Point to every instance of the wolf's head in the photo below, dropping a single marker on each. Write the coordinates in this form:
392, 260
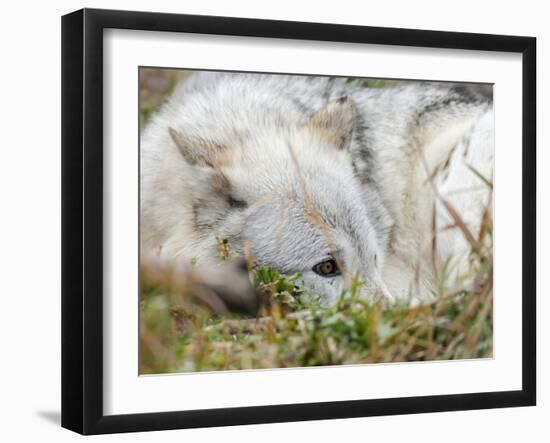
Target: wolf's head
286, 193
289, 195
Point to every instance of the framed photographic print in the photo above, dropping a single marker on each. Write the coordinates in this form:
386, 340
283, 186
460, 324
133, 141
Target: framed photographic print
269, 221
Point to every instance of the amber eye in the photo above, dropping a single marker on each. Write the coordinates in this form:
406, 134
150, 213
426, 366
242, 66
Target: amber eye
327, 268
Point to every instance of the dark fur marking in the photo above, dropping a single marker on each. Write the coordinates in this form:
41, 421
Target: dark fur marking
235, 203
216, 216
363, 150
475, 92
458, 95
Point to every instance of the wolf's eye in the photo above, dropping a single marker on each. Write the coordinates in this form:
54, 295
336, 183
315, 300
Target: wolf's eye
327, 268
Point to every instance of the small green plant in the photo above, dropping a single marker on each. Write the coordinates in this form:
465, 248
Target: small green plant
279, 288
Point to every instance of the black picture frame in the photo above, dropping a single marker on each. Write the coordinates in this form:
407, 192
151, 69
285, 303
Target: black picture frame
82, 220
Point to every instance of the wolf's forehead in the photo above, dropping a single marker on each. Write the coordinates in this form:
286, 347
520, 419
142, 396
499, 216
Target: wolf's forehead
298, 236
306, 216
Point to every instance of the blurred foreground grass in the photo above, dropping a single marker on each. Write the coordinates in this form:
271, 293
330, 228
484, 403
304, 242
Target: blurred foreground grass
293, 331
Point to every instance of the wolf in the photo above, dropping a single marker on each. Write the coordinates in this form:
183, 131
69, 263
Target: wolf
320, 176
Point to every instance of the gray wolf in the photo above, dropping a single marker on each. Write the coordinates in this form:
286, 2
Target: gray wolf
318, 175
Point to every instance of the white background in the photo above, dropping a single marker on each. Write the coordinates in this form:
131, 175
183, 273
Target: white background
30, 234
126, 393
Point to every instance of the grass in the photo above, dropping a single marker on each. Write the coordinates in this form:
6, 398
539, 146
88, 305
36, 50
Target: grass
290, 332
155, 85
292, 329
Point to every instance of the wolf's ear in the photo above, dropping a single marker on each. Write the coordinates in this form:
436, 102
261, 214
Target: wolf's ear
198, 151
214, 193
335, 122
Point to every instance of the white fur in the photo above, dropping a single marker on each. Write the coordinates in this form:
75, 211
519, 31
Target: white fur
278, 144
